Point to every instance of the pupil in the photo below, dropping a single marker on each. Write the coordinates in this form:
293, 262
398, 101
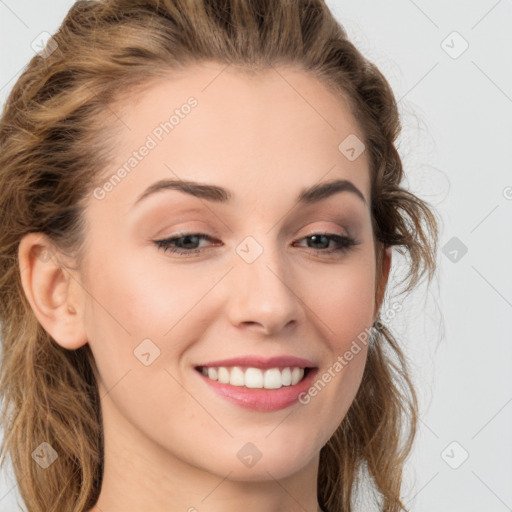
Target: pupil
187, 238
316, 237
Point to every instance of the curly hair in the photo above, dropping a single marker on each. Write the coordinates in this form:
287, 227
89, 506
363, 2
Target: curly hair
56, 135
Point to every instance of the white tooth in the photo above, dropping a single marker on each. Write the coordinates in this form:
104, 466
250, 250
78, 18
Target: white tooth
204, 371
253, 378
237, 376
286, 376
223, 375
272, 379
297, 374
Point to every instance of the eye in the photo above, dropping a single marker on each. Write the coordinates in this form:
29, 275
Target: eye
344, 243
183, 244
188, 243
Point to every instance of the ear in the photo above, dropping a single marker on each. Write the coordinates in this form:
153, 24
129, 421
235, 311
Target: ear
55, 296
382, 277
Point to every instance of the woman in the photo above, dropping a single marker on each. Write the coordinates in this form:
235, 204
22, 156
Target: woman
199, 202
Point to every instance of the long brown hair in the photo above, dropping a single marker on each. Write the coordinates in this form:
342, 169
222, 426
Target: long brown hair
55, 137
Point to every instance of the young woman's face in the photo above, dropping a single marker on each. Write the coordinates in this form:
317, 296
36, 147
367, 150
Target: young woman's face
262, 270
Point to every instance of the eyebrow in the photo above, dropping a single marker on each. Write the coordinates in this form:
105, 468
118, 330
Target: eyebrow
217, 194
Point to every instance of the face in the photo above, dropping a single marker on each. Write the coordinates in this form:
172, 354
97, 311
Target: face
255, 268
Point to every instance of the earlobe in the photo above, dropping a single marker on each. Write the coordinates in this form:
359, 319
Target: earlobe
51, 291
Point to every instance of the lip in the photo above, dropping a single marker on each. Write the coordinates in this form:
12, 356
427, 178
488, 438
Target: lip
263, 362
265, 400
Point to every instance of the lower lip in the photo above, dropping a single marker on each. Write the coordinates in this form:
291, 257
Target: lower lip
262, 399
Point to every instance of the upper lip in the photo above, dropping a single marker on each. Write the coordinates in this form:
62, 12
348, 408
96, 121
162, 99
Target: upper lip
263, 362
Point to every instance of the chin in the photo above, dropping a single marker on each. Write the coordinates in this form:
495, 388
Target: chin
253, 463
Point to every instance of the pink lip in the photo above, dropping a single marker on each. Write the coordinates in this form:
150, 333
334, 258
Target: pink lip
262, 362
262, 399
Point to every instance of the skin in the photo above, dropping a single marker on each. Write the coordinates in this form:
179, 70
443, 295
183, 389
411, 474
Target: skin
171, 443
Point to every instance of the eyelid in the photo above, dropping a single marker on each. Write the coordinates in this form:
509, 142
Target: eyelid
335, 228
324, 231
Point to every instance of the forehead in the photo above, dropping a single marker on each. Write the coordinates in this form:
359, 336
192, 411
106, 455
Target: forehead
275, 130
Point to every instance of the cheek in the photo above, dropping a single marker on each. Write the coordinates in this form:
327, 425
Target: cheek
140, 297
135, 307
344, 305
139, 325
343, 299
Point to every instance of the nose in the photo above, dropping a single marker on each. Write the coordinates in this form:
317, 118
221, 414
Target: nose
264, 295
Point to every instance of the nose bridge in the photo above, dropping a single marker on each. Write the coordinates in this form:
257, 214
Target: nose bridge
264, 292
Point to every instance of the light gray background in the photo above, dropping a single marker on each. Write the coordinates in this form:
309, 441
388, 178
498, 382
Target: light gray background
457, 149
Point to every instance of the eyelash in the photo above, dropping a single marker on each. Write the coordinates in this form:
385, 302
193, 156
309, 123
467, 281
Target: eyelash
345, 243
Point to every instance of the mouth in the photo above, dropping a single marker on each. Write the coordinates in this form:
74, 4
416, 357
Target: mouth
267, 389
255, 378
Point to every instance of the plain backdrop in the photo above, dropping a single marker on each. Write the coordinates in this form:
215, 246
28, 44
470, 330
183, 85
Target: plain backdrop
449, 64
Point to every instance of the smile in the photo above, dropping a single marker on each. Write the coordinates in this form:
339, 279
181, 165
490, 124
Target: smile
259, 389
255, 378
